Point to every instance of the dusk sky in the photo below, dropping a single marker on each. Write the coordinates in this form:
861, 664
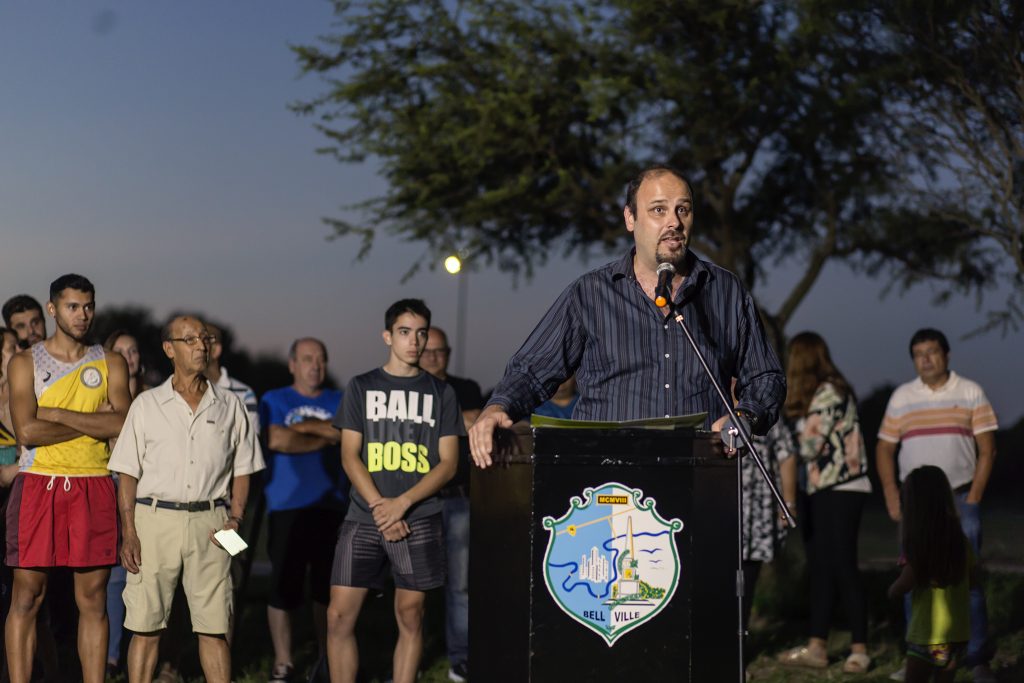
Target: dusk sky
148, 145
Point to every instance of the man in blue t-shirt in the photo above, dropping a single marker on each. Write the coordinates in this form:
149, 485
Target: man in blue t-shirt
306, 496
562, 403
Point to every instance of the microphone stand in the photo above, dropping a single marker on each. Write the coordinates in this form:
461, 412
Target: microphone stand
740, 630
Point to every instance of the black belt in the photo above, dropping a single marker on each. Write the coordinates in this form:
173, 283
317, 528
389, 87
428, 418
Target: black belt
963, 488
198, 506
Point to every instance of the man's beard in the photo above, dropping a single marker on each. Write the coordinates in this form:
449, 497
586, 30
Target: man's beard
677, 261
78, 338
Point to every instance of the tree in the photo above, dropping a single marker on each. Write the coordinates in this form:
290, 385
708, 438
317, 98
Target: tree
262, 372
506, 128
957, 106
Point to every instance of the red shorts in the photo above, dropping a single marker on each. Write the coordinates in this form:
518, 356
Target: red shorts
56, 521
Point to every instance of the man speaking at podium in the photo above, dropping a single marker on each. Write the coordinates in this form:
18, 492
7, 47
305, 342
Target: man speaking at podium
631, 359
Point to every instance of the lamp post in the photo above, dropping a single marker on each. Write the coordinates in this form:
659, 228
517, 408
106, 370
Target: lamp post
453, 264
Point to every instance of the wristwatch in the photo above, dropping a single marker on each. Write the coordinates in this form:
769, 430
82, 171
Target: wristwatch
751, 418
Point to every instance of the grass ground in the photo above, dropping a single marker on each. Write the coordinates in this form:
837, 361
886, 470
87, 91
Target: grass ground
779, 619
781, 622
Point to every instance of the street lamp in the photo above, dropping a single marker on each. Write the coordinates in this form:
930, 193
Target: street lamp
453, 264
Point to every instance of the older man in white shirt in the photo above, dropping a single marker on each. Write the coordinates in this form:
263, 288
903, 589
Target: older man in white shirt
185, 446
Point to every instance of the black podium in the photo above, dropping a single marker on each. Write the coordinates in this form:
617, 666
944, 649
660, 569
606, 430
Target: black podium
605, 556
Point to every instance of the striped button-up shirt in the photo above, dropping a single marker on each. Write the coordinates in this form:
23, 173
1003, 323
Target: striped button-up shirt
633, 362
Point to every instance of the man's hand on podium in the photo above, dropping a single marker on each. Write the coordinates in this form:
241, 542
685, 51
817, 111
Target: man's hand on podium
481, 434
731, 442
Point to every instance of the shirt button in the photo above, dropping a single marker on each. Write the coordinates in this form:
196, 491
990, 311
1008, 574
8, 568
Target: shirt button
666, 355
191, 462
188, 486
666, 327
666, 386
668, 416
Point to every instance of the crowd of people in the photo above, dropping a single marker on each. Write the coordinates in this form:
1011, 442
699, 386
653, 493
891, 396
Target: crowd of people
139, 490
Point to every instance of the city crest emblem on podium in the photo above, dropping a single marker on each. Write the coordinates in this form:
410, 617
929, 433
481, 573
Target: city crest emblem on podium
611, 562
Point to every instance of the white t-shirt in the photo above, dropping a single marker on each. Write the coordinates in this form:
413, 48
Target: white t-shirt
938, 426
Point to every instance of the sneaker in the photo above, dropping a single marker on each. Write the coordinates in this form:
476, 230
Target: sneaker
982, 674
459, 672
282, 673
899, 674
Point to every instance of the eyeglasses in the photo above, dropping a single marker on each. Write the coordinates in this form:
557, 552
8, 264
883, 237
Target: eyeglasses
436, 352
193, 340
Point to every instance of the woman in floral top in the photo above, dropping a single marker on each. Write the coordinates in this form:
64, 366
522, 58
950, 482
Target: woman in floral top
831, 447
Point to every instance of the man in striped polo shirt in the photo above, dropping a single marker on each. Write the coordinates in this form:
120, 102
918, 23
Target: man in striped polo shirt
945, 420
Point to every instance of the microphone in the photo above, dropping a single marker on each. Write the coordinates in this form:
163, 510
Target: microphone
663, 293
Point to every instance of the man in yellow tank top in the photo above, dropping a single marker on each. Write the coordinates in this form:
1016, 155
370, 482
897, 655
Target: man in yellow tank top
67, 400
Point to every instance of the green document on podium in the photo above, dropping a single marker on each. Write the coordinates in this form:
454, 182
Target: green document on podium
694, 421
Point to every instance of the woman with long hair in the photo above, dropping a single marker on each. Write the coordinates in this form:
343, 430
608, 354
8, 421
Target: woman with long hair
125, 343
822, 404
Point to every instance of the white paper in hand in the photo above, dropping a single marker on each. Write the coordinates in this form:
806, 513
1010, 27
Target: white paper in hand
230, 541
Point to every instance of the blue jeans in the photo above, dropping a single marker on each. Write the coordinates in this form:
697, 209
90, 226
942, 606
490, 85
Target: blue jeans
115, 611
970, 522
455, 515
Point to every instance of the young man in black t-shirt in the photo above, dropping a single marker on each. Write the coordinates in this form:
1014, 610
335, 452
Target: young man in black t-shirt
399, 445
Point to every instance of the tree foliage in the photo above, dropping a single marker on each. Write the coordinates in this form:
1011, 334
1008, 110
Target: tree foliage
508, 129
261, 372
496, 124
957, 105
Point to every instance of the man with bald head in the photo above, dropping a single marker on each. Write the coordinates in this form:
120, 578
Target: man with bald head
307, 493
631, 360
185, 456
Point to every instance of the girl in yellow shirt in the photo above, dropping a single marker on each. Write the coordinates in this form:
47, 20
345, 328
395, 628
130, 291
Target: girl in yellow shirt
938, 570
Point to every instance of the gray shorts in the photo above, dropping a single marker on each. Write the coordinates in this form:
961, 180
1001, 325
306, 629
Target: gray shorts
363, 559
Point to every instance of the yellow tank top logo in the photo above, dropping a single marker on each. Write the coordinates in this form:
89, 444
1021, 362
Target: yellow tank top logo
91, 377
80, 387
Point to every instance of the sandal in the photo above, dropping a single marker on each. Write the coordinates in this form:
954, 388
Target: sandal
803, 656
168, 674
857, 663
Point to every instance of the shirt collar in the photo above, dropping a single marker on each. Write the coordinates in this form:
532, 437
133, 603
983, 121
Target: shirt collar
949, 384
165, 392
623, 267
